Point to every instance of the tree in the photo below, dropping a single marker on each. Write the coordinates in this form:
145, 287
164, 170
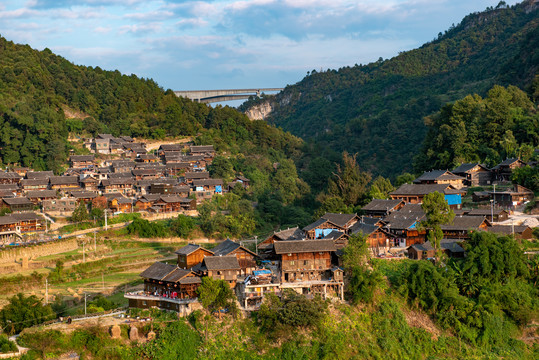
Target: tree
349, 182
437, 212
24, 311
363, 280
216, 295
80, 213
183, 225
380, 188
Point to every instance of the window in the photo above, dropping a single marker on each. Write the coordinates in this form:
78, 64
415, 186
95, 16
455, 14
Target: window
305, 262
292, 262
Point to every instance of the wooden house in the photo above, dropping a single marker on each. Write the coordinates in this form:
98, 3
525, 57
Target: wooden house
328, 223
518, 231
266, 247
37, 196
463, 226
377, 237
504, 170
209, 186
191, 255
499, 214
441, 177
21, 223
414, 193
17, 204
225, 268
89, 183
382, 207
169, 147
121, 204
147, 158
165, 286
64, 182
177, 168
304, 260
124, 185
474, 173
146, 201
39, 174
197, 175
63, 206
246, 258
82, 161
426, 250
9, 178
34, 184
402, 225
170, 203
512, 197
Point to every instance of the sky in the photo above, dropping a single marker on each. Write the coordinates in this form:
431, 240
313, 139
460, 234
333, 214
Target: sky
228, 44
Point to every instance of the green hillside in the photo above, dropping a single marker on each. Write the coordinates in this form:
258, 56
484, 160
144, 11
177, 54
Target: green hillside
377, 110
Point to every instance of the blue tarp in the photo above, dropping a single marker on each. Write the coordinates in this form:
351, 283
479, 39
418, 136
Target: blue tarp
320, 233
261, 272
218, 189
453, 199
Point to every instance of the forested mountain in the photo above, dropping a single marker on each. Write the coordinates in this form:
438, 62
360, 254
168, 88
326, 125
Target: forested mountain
377, 110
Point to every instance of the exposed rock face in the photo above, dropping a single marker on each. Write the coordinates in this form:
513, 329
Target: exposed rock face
260, 111
115, 332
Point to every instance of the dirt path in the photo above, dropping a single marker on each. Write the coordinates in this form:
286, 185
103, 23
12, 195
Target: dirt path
153, 145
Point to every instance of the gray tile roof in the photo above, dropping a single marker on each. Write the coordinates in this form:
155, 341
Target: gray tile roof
290, 234
339, 219
419, 189
464, 223
366, 229
303, 246
157, 271
176, 275
226, 247
39, 174
381, 205
508, 229
189, 249
221, 263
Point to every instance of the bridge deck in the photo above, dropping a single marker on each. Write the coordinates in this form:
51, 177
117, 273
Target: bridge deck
209, 96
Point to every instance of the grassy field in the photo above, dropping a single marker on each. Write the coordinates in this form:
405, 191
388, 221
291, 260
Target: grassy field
110, 269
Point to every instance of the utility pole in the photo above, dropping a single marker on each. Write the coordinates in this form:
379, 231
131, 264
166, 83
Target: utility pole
106, 224
83, 254
84, 303
46, 291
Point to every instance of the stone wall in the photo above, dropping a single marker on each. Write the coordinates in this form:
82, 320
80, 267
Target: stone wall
56, 247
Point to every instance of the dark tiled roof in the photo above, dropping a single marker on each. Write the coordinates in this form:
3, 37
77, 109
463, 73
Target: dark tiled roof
9, 175
303, 246
334, 235
464, 223
221, 263
171, 147
83, 194
39, 174
419, 189
208, 182
41, 194
17, 201
225, 248
508, 229
121, 175
157, 271
201, 148
176, 275
381, 205
34, 182
467, 167
188, 249
339, 219
508, 162
197, 175
191, 280
484, 212
314, 224
64, 180
366, 229
290, 234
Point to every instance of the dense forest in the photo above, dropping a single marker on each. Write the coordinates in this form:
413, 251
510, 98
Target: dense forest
377, 110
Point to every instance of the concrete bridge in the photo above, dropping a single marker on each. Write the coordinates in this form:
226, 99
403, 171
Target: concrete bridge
211, 96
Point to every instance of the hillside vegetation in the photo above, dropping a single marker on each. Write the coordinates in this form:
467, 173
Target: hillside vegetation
377, 109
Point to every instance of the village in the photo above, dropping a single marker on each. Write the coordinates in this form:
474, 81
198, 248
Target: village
308, 260
121, 176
